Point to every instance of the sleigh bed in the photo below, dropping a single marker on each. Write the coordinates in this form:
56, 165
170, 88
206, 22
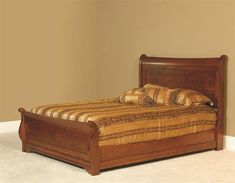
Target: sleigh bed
79, 143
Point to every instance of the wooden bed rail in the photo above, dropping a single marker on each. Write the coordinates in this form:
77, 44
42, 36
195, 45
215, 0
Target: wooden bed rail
47, 136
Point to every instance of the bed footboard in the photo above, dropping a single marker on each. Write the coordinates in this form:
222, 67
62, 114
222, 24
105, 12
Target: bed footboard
69, 141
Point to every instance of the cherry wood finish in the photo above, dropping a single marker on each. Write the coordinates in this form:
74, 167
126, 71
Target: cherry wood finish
206, 75
77, 142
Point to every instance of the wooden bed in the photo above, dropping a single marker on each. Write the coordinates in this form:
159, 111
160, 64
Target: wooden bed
77, 142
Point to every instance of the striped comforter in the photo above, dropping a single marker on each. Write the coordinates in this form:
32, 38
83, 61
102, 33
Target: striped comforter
122, 124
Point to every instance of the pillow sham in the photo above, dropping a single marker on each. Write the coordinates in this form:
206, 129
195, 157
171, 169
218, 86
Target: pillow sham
139, 91
136, 96
161, 95
191, 97
167, 96
136, 99
150, 85
152, 94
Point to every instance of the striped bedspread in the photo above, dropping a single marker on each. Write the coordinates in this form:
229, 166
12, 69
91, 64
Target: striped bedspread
122, 124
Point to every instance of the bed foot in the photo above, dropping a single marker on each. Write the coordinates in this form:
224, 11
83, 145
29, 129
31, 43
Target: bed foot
93, 171
219, 148
219, 143
26, 149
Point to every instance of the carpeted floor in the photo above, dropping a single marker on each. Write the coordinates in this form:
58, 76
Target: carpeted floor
206, 167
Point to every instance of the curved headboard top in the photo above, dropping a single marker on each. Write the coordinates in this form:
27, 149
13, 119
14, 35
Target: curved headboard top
206, 75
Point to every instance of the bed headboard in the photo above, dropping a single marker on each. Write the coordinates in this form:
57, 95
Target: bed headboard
206, 75
202, 74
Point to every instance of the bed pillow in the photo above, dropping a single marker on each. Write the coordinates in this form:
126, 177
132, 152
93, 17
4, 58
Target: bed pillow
167, 96
191, 97
150, 85
139, 91
136, 96
161, 95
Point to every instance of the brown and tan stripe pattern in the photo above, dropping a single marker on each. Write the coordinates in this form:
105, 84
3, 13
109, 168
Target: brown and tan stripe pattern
190, 97
121, 123
162, 95
136, 96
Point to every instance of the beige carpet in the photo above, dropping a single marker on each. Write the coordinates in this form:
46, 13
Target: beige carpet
206, 167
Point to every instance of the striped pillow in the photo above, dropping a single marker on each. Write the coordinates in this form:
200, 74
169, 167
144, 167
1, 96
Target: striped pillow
191, 97
139, 91
136, 96
136, 99
162, 95
150, 85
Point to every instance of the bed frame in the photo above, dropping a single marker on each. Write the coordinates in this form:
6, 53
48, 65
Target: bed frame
77, 142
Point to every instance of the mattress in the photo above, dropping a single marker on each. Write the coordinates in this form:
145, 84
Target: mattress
122, 124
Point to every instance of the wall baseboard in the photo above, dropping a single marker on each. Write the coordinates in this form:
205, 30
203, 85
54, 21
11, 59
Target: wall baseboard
229, 142
9, 126
13, 126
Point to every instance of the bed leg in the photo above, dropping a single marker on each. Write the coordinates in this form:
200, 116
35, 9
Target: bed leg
219, 136
219, 146
93, 171
25, 148
219, 143
94, 153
